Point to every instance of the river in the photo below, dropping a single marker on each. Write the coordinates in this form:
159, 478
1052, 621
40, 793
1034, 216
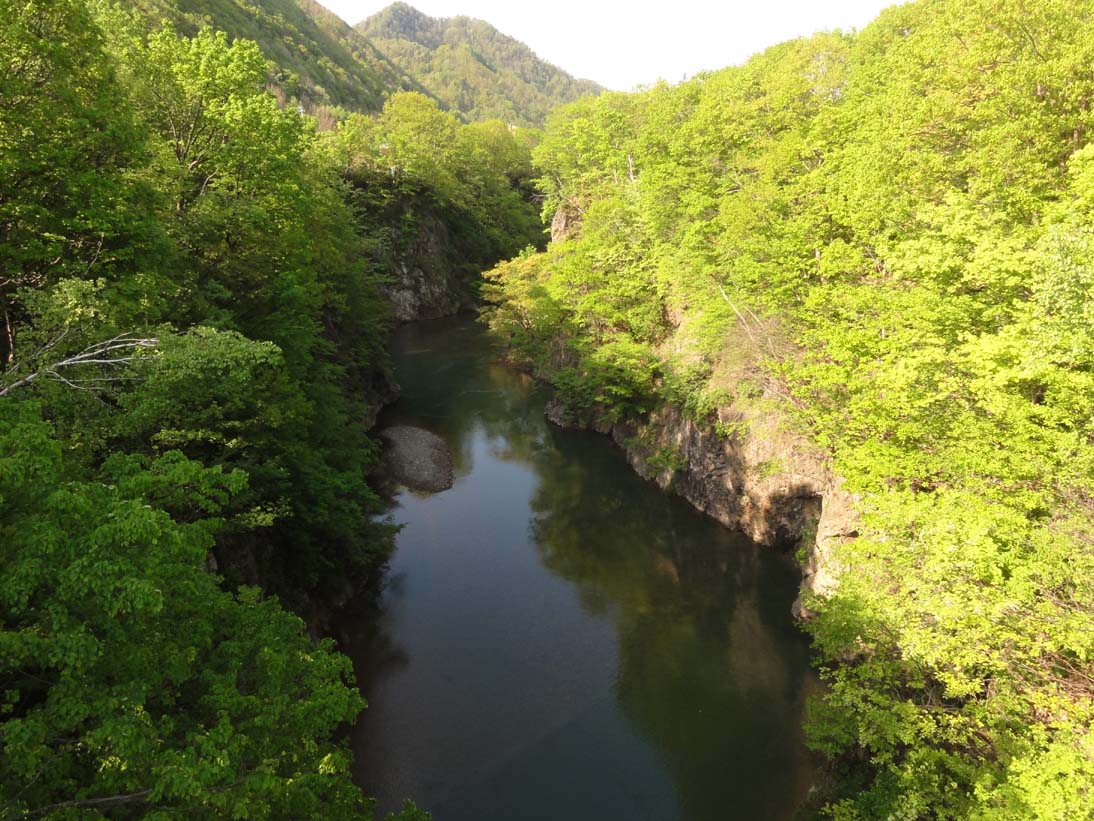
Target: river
557, 638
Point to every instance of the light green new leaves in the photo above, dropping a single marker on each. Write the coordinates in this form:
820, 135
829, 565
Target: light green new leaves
910, 208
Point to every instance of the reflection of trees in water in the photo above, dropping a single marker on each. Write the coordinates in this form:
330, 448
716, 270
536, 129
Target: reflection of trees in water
448, 389
364, 637
710, 669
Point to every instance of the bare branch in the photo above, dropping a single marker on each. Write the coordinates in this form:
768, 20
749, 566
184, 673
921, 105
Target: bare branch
58, 378
744, 321
26, 380
118, 360
99, 353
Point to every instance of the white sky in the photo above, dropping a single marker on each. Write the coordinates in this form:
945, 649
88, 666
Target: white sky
624, 44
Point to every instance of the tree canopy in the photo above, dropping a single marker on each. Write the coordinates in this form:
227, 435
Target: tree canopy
193, 351
890, 230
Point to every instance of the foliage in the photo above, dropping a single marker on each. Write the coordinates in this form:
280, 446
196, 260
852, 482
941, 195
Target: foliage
311, 55
130, 678
192, 344
64, 147
315, 60
265, 245
894, 227
415, 162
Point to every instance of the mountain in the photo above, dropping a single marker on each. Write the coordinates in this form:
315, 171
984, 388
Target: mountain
471, 67
319, 59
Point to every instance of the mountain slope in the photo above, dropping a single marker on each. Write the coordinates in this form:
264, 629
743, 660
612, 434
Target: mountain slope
320, 60
471, 67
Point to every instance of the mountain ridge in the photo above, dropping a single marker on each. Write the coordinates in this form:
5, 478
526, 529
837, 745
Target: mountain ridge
471, 66
318, 59
329, 67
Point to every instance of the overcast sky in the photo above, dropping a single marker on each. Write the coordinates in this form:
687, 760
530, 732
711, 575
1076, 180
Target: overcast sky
624, 44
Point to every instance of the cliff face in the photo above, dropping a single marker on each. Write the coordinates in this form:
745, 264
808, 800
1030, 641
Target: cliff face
566, 223
424, 283
762, 479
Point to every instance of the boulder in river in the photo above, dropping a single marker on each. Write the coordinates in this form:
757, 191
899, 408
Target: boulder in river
417, 458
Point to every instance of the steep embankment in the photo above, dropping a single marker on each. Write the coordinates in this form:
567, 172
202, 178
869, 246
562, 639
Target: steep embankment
425, 282
763, 479
883, 239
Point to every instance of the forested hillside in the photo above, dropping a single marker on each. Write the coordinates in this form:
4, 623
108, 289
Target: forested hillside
471, 67
315, 58
886, 238
192, 350
319, 62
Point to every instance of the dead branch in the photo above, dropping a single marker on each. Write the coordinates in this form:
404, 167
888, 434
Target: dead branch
744, 322
113, 353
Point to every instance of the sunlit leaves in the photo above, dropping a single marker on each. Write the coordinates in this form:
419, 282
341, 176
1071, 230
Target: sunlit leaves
912, 204
153, 189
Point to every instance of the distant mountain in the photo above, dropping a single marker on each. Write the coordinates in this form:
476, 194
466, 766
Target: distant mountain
320, 60
471, 67
466, 65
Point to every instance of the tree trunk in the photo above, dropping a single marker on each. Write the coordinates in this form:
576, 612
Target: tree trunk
7, 339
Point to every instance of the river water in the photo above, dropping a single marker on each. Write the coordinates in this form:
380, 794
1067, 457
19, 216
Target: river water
557, 638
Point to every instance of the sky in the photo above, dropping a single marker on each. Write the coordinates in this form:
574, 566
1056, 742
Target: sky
622, 45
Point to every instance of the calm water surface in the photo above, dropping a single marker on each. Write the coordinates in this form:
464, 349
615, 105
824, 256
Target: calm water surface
560, 640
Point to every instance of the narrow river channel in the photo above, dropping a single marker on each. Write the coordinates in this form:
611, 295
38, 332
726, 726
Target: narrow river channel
560, 640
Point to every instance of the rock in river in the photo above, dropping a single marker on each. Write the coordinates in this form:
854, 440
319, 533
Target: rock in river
417, 458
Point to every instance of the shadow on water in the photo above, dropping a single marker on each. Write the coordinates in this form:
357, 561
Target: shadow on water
557, 638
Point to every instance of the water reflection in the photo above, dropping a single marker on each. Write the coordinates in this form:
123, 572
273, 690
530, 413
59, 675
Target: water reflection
559, 639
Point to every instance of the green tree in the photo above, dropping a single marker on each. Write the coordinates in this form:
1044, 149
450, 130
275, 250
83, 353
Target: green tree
65, 142
891, 232
130, 680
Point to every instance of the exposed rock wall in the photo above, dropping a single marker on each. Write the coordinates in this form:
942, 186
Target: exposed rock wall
424, 283
566, 223
762, 479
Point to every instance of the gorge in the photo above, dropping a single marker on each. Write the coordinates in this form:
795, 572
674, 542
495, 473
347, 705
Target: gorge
760, 486
554, 620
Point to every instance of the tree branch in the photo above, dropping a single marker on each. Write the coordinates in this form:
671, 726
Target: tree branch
100, 353
105, 801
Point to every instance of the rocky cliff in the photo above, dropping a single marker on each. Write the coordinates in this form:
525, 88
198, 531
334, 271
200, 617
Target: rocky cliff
424, 282
763, 479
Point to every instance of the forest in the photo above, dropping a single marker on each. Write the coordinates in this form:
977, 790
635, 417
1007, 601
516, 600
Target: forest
193, 342
886, 239
883, 239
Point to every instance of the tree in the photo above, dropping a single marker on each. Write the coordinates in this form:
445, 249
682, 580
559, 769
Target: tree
64, 143
131, 680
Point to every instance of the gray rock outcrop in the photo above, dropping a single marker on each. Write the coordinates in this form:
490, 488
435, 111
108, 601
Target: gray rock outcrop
417, 458
423, 283
566, 223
